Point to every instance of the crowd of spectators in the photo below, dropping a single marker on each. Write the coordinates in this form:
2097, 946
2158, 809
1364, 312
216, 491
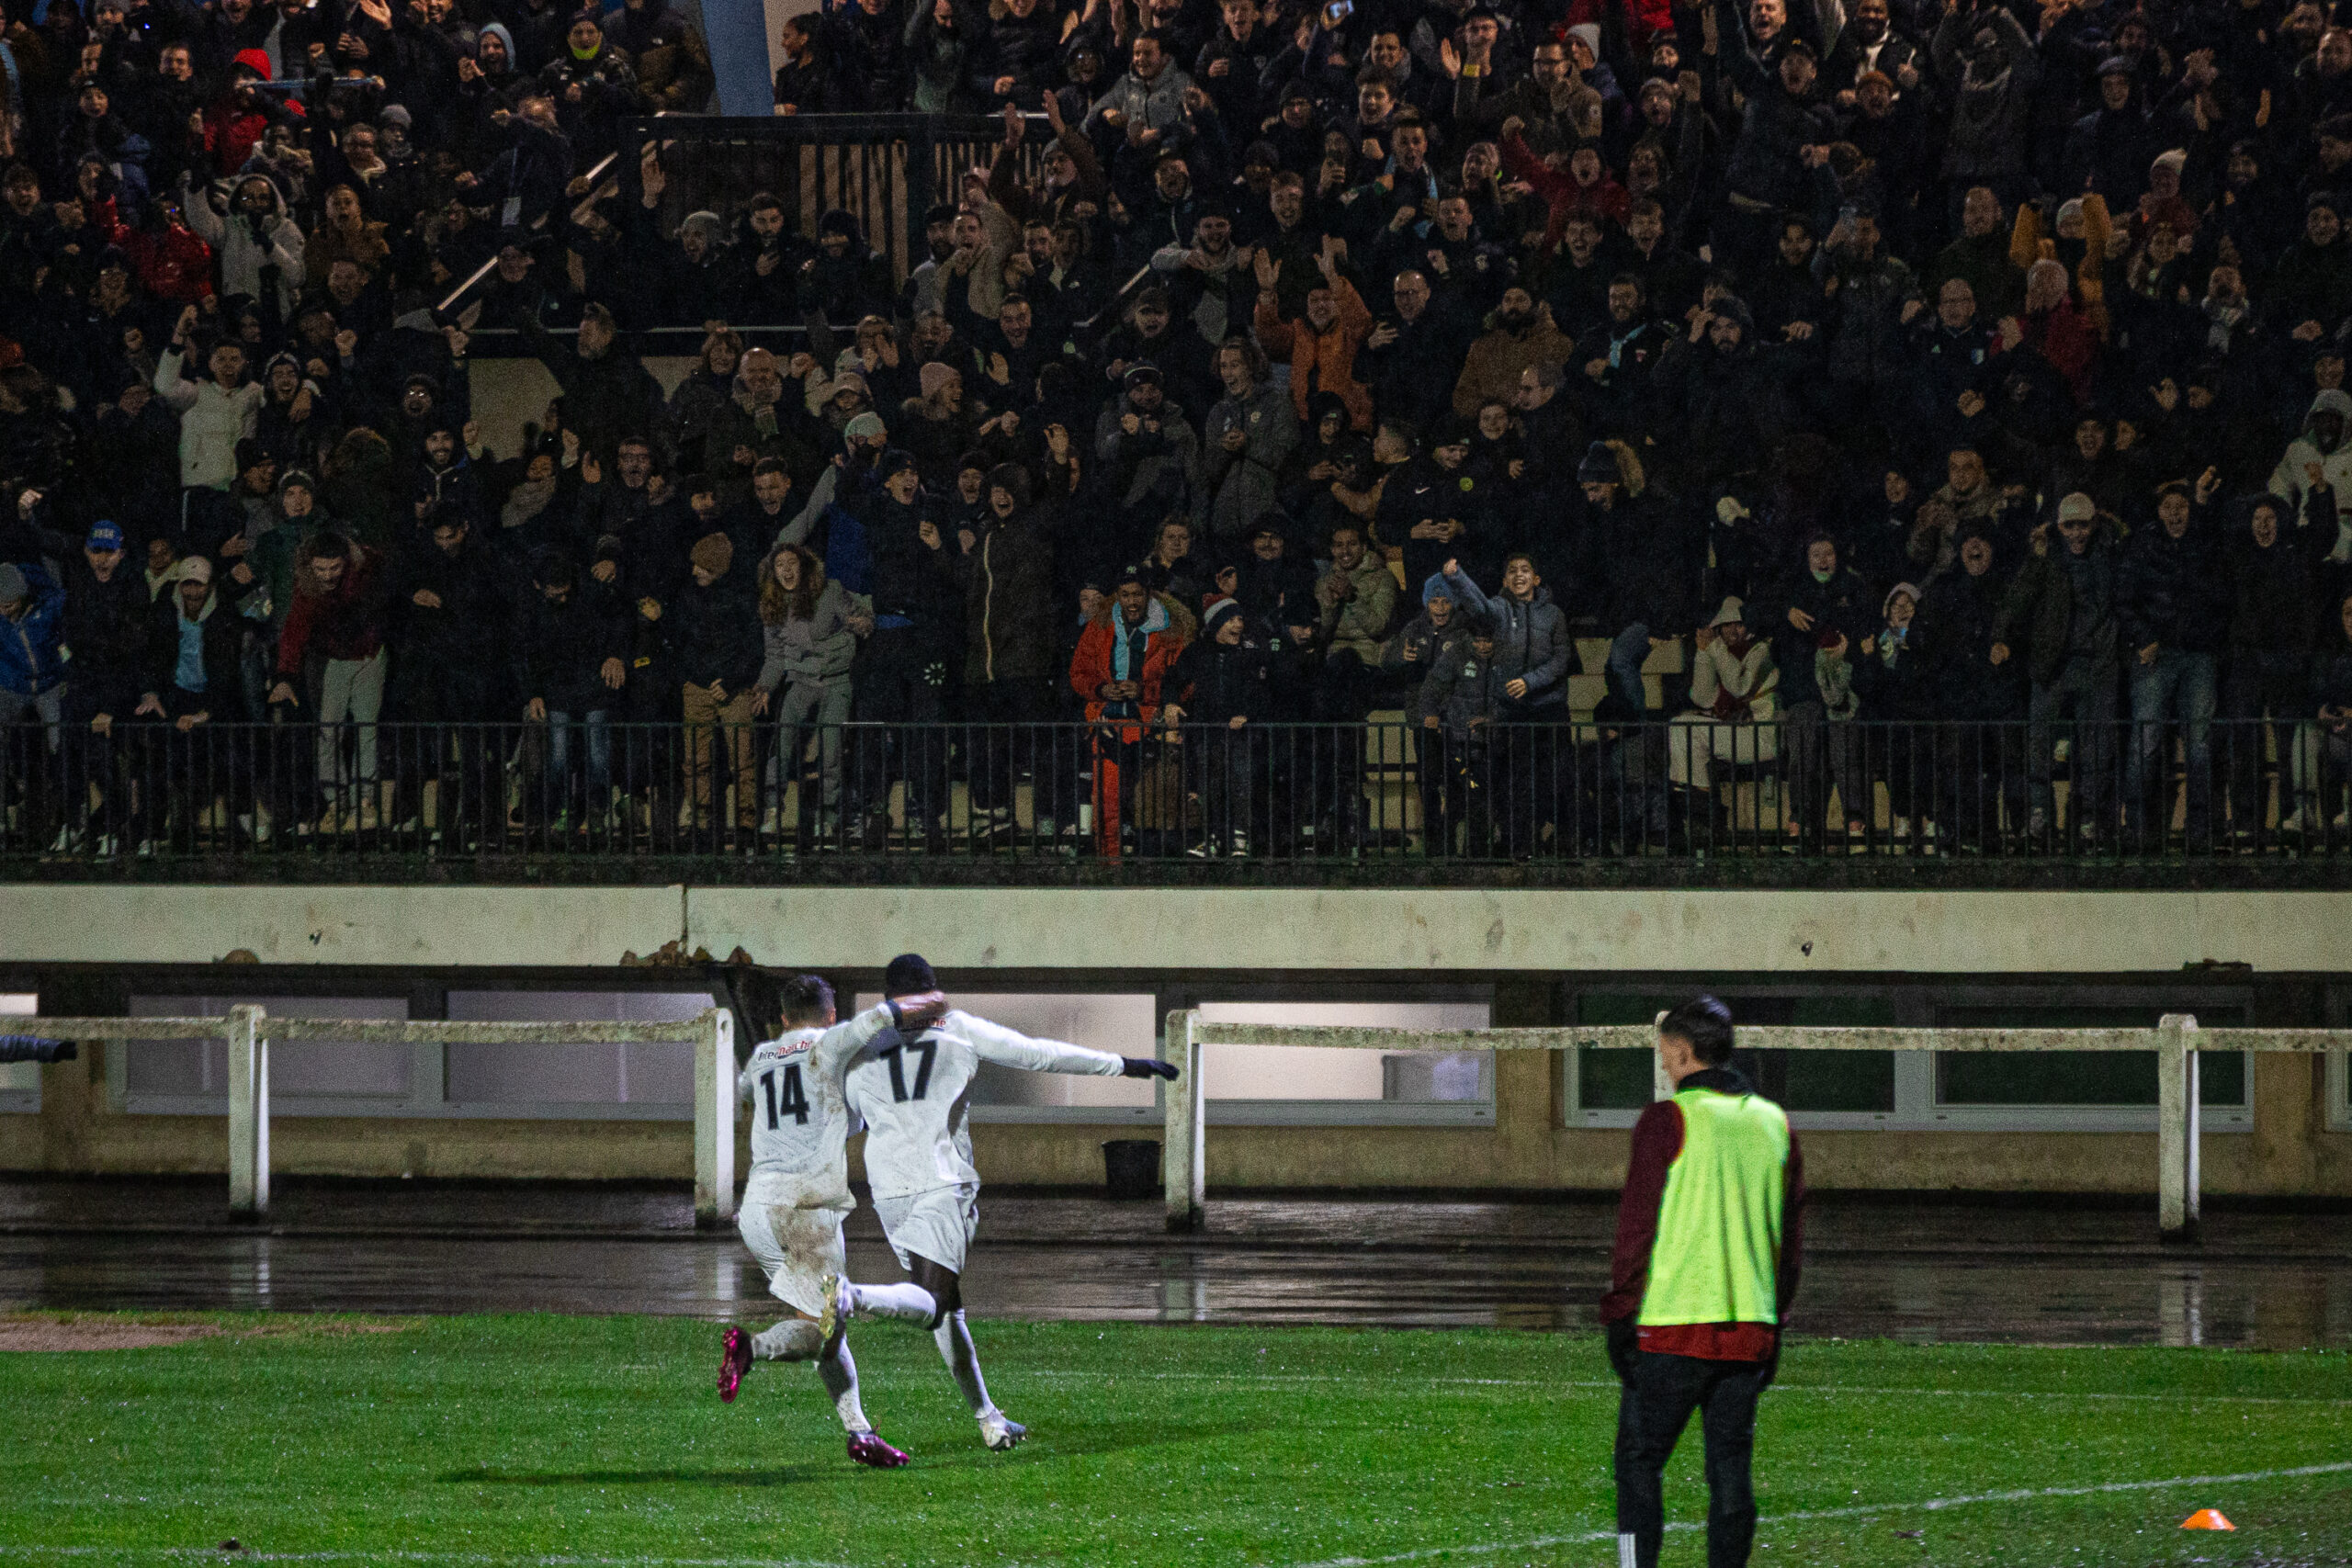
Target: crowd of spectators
1976, 368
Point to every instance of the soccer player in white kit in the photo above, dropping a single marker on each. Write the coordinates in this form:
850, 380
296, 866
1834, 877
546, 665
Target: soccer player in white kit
912, 1088
798, 1191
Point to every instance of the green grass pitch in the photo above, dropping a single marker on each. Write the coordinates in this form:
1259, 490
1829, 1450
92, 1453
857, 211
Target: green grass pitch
539, 1439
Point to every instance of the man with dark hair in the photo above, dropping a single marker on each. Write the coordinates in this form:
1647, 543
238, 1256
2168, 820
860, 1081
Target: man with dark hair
911, 1091
799, 1192
1709, 1233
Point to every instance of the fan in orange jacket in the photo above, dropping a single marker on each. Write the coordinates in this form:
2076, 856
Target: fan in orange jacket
1121, 665
1123, 656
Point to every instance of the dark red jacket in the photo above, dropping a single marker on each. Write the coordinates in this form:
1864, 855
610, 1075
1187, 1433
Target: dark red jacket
1657, 1143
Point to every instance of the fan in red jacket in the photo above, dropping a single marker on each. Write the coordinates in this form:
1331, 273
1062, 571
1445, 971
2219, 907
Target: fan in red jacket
1122, 661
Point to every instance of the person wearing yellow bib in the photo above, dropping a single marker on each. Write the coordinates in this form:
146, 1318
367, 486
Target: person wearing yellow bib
1708, 1237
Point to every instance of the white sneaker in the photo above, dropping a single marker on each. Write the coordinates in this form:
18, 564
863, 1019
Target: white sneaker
1241, 845
999, 1434
68, 840
1902, 828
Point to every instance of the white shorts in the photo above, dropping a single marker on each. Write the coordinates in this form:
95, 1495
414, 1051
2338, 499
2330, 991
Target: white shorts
798, 1248
938, 1224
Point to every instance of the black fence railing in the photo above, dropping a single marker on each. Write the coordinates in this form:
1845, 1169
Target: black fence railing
885, 170
1694, 788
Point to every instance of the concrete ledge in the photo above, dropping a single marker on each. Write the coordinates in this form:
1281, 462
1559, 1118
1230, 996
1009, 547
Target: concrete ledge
1398, 931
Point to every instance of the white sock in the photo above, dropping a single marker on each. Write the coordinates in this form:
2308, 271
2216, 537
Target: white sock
906, 1303
840, 1373
955, 1342
794, 1339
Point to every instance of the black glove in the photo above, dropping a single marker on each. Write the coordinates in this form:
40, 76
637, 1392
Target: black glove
1148, 1068
1624, 1349
35, 1048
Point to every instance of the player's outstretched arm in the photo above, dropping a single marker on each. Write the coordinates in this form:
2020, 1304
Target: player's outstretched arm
1011, 1048
905, 1014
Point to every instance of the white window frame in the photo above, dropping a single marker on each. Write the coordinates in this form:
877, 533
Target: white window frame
427, 1096
2338, 1075
21, 1102
439, 1104
1340, 1112
1917, 1110
123, 1101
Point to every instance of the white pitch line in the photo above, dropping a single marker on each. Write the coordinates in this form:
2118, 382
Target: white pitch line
1863, 1510
479, 1559
1536, 1543
1825, 1389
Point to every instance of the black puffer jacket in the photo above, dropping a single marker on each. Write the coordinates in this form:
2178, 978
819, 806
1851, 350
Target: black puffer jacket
2172, 592
2272, 608
564, 645
714, 633
1009, 601
1764, 165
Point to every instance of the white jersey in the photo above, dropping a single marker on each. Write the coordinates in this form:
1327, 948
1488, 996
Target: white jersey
800, 1127
912, 1095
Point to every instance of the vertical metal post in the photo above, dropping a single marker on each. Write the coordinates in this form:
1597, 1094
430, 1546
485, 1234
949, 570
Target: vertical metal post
1180, 1152
248, 1115
1661, 1085
715, 1120
2176, 1128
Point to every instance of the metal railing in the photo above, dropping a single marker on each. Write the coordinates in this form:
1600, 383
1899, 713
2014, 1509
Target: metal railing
1382, 791
249, 1029
2177, 1043
885, 170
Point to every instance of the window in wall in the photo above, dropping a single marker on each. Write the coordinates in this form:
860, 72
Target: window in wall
1799, 1080
1457, 1080
555, 1079
2072, 1077
192, 1076
1120, 1023
19, 1081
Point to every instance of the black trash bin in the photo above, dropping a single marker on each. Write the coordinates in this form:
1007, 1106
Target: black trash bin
1131, 1167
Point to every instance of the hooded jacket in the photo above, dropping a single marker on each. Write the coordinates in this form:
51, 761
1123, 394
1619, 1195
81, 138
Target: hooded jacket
211, 422
1992, 87
220, 645
1111, 650
1464, 686
1009, 600
1530, 641
815, 647
249, 247
30, 652
1238, 486
2287, 481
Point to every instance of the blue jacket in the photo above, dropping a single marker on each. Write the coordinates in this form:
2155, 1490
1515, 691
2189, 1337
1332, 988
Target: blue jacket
30, 663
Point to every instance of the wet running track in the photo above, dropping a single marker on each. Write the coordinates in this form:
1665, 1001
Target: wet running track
1931, 1272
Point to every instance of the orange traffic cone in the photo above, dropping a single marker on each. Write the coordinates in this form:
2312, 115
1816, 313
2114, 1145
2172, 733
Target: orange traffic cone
2207, 1519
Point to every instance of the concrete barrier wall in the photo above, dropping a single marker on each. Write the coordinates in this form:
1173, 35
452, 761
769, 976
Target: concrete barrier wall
1404, 932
